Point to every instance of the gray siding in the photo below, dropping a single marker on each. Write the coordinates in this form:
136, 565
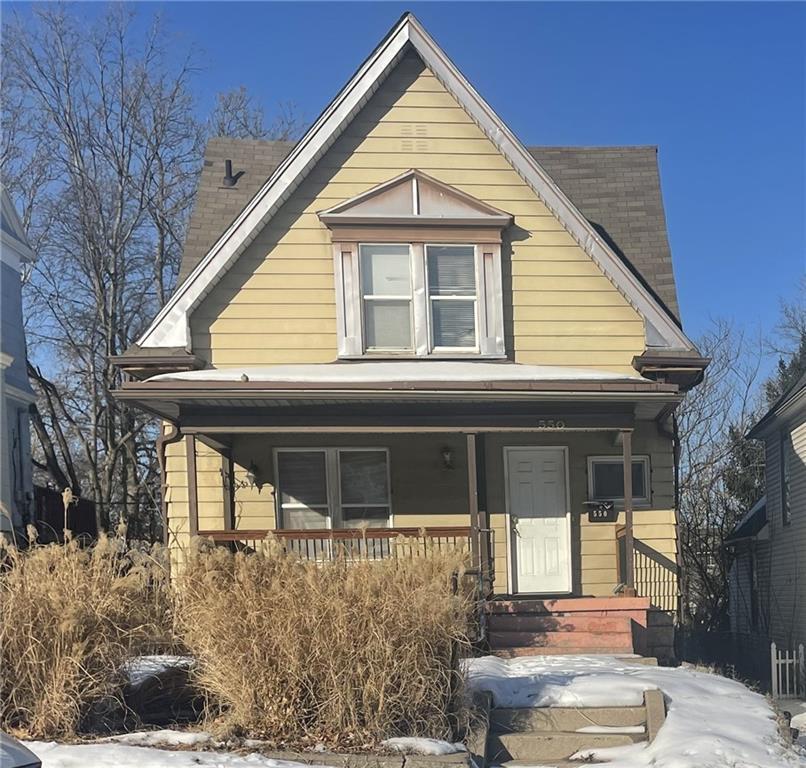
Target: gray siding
12, 335
785, 580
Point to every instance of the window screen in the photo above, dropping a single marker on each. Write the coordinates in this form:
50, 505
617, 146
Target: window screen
303, 489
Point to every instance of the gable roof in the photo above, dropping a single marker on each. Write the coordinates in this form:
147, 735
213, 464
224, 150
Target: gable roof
171, 326
415, 198
616, 188
12, 232
791, 405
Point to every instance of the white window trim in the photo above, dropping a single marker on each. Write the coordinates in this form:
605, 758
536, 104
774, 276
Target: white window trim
640, 501
332, 482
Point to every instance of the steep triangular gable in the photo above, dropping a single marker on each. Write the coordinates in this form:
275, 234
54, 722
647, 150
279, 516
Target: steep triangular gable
171, 328
12, 231
416, 198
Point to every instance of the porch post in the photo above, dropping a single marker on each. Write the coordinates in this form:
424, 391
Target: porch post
193, 492
626, 447
229, 493
473, 498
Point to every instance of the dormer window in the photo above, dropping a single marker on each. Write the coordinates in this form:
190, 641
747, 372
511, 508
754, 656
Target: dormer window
418, 271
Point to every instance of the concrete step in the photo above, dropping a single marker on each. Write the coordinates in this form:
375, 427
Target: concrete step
620, 641
564, 718
539, 746
558, 623
569, 605
571, 650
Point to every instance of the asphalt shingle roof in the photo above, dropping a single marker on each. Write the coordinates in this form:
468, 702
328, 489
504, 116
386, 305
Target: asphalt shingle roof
616, 188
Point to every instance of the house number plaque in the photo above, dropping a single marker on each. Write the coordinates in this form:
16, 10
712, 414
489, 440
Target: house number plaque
601, 512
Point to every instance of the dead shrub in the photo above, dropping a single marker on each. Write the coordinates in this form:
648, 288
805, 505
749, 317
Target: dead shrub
337, 652
70, 618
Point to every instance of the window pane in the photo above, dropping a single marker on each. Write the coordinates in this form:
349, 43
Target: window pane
301, 517
608, 480
387, 324
454, 323
385, 270
451, 270
372, 517
363, 478
303, 478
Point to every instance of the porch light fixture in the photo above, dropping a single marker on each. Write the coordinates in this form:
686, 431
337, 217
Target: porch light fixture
447, 457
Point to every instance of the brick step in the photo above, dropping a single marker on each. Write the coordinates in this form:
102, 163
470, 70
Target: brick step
569, 605
564, 718
564, 623
530, 650
538, 747
620, 640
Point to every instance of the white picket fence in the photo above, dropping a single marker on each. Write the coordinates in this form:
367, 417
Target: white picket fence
788, 672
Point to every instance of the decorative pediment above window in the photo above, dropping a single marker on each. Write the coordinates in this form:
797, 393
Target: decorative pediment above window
415, 199
418, 271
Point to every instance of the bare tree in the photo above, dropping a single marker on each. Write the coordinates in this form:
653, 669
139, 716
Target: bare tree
237, 115
712, 423
107, 126
101, 149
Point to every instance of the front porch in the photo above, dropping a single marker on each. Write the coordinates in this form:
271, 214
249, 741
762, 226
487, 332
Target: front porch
553, 488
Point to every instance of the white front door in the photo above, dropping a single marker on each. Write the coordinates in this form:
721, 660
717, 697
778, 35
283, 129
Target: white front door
540, 533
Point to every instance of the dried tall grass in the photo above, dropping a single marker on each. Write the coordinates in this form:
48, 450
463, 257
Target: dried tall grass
70, 617
334, 652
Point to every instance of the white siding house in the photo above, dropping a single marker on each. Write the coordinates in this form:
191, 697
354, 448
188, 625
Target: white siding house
16, 395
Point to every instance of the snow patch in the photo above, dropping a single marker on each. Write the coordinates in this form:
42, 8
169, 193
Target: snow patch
55, 755
398, 371
141, 668
612, 729
416, 746
164, 738
711, 721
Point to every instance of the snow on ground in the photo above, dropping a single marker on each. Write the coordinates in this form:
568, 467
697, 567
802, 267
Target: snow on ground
415, 746
711, 721
143, 667
164, 738
116, 755
798, 711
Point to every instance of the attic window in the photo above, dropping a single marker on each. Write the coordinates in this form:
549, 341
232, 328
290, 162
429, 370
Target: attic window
418, 268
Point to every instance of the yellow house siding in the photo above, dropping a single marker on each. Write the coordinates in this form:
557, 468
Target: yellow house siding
277, 303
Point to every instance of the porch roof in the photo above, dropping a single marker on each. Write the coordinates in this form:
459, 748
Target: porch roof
418, 394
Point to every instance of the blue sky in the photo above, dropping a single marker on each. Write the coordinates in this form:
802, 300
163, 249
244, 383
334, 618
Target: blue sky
719, 88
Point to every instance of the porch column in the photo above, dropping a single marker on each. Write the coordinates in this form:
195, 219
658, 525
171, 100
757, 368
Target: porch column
193, 488
473, 498
626, 447
229, 492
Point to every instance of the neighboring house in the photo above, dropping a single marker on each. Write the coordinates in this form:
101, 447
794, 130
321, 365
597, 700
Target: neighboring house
768, 573
16, 395
408, 320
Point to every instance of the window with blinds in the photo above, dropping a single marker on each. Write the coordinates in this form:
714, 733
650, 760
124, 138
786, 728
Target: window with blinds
322, 488
452, 296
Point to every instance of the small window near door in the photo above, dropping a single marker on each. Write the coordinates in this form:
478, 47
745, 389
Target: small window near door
606, 479
322, 488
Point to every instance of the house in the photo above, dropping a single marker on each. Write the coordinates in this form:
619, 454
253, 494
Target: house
16, 394
409, 322
767, 578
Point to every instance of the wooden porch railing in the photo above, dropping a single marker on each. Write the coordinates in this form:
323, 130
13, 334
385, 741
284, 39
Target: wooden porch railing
655, 575
351, 543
